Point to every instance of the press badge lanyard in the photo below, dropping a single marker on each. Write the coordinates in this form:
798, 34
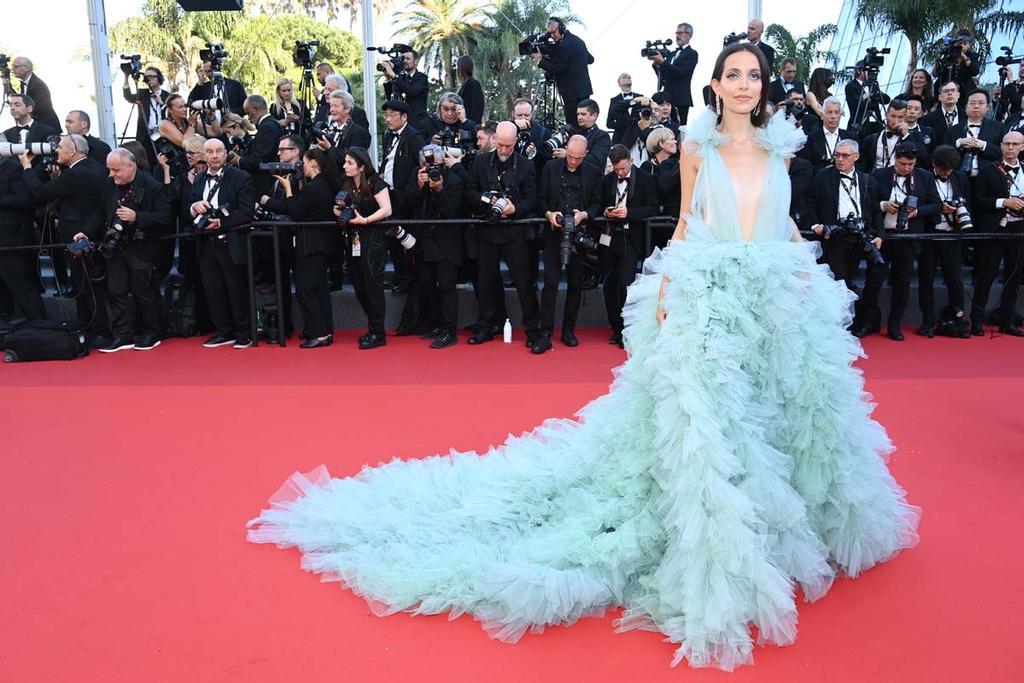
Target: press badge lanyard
849, 193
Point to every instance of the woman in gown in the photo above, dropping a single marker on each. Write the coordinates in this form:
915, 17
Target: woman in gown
732, 461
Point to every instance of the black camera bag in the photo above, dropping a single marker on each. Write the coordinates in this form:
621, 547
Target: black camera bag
180, 309
8, 325
45, 340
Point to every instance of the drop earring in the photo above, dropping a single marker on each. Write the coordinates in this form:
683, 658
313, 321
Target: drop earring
718, 105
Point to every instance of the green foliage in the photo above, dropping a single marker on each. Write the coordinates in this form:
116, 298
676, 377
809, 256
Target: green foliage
804, 49
441, 31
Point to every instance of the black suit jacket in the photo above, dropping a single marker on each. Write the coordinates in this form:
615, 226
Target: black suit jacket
37, 132
81, 194
234, 94
925, 139
407, 165
153, 213
800, 175
599, 143
520, 182
568, 64
869, 152
550, 197
769, 54
432, 125
823, 200
777, 92
620, 115
666, 180
472, 94
353, 135
641, 195
442, 242
989, 186
98, 150
144, 103
962, 189
857, 110
991, 133
15, 205
40, 94
236, 191
936, 120
676, 73
1009, 107
413, 91
816, 150
314, 201
929, 205
262, 150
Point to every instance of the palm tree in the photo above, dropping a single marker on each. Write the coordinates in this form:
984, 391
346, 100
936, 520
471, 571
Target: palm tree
919, 20
804, 49
441, 30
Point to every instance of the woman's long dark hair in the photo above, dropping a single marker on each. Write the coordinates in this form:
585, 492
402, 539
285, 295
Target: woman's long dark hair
464, 68
328, 166
759, 115
367, 174
927, 93
819, 84
167, 107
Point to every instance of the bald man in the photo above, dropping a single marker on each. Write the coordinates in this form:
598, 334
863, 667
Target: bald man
503, 172
140, 207
79, 123
34, 87
755, 29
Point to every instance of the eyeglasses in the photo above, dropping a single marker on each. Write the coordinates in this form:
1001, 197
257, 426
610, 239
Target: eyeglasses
843, 155
451, 109
949, 90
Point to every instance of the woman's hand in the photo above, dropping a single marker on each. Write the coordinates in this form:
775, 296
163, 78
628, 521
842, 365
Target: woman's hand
359, 219
660, 314
162, 160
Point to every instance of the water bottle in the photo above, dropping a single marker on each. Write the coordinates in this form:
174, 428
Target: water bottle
507, 332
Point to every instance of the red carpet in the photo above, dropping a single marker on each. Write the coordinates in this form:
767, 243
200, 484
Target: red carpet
127, 481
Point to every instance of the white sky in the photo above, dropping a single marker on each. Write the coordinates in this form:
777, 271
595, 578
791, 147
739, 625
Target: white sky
613, 30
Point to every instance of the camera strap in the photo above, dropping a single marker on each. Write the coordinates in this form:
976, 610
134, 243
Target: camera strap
214, 187
849, 189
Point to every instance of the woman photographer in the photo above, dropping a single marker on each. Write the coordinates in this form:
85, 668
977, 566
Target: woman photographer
177, 125
470, 90
817, 92
288, 111
236, 136
366, 253
313, 246
663, 164
921, 85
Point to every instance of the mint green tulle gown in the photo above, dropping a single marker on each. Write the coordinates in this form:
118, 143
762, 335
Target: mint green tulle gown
733, 461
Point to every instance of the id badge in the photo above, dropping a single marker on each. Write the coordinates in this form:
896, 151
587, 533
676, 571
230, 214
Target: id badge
355, 245
605, 239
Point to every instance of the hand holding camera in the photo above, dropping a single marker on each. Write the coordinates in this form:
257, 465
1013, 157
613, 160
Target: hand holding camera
615, 212
126, 214
1013, 203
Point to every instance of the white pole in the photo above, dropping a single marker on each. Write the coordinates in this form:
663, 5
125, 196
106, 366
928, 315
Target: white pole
369, 77
754, 9
104, 127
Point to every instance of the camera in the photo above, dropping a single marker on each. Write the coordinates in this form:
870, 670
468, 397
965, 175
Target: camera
794, 109
202, 221
456, 137
495, 202
215, 54
903, 214
852, 227
656, 47
239, 144
402, 235
646, 112
394, 54
873, 59
560, 138
280, 167
1006, 59
967, 161
574, 240
432, 157
346, 205
44, 149
524, 144
211, 104
177, 160
131, 65
961, 217
5, 67
304, 53
734, 38
85, 250
541, 42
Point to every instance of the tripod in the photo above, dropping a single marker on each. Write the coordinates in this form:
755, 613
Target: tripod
550, 102
869, 109
307, 97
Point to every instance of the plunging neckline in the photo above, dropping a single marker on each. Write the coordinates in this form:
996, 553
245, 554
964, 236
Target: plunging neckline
734, 191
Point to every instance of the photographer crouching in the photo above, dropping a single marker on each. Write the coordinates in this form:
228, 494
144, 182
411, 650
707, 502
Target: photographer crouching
569, 195
440, 249
78, 185
312, 201
139, 210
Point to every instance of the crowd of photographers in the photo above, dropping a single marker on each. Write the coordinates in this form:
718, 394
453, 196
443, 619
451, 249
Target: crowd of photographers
939, 158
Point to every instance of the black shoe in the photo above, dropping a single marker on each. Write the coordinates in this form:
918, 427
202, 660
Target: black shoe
616, 339
434, 333
894, 332
444, 340
219, 340
317, 342
569, 338
402, 331
117, 344
541, 344
242, 343
371, 341
401, 288
1004, 329
926, 330
481, 337
147, 342
532, 337
98, 342
474, 328
977, 329
304, 335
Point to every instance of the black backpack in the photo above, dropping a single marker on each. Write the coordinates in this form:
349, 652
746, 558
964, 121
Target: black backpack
180, 308
44, 340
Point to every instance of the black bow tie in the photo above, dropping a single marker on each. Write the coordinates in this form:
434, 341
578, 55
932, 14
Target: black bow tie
214, 176
950, 115
974, 125
1011, 169
891, 134
849, 177
21, 128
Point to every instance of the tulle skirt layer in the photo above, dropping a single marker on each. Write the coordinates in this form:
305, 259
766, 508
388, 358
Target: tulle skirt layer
732, 461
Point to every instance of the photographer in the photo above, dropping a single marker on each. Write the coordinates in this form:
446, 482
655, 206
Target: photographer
948, 114
566, 62
999, 203
838, 192
139, 210
663, 164
911, 204
33, 87
151, 105
237, 136
289, 112
313, 201
755, 29
366, 252
921, 84
470, 90
530, 133
399, 165
263, 148
568, 188
449, 124
598, 141
785, 83
80, 191
225, 193
978, 138
502, 184
918, 133
1010, 99
410, 86
77, 122
628, 194
650, 113
332, 83
954, 190
676, 71
27, 128
822, 142
440, 250
958, 63
620, 114
178, 125
878, 148
229, 90
18, 274
342, 132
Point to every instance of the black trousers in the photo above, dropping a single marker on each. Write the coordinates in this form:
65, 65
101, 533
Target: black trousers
988, 255
900, 256
492, 292
843, 259
574, 275
226, 286
367, 272
436, 282
569, 106
950, 256
619, 262
133, 296
400, 261
313, 290
90, 301
19, 277
188, 267
684, 113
